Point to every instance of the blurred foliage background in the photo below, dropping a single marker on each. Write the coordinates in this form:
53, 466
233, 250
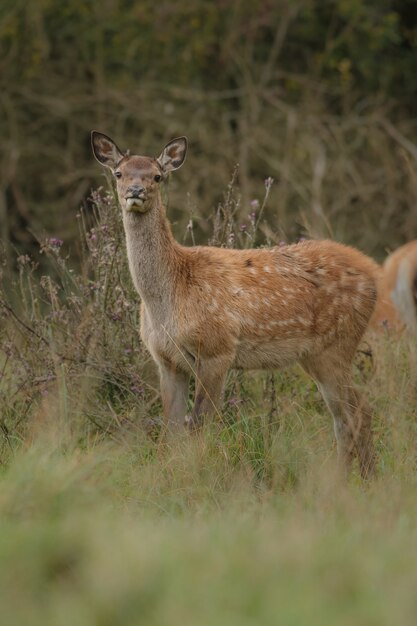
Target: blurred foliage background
318, 94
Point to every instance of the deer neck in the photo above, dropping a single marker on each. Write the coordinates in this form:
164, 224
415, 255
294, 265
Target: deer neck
153, 256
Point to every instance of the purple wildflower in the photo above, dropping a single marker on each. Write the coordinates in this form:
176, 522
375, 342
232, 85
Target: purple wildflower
137, 389
54, 242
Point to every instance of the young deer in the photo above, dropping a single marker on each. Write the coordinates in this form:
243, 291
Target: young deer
396, 306
205, 309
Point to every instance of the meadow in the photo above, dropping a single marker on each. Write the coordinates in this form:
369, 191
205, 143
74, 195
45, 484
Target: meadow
245, 523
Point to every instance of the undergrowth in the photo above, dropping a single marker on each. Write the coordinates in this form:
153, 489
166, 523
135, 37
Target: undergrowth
245, 523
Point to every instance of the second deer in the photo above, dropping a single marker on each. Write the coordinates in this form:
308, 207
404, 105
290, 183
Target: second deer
396, 307
205, 309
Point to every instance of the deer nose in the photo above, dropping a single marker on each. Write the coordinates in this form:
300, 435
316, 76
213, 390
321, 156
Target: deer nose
134, 191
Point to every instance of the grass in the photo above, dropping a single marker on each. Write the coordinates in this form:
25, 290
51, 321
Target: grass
136, 533
245, 523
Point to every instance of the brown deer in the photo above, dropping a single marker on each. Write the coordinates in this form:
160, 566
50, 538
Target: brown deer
206, 309
396, 307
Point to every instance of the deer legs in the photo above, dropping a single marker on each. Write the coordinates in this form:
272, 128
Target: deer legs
352, 416
174, 392
352, 424
210, 377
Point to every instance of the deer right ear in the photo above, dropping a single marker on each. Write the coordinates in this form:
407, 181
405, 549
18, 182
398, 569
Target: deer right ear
173, 155
105, 150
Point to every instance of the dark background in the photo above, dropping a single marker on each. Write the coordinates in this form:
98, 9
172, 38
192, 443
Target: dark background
320, 95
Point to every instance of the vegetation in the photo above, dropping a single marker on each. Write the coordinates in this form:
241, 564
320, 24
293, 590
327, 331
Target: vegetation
101, 522
318, 94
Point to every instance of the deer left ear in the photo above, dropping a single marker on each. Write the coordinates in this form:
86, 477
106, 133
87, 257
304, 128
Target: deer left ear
105, 150
173, 155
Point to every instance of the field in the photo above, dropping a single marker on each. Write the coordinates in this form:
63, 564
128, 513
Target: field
244, 523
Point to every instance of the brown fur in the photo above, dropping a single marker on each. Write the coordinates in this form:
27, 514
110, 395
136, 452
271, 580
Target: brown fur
396, 306
206, 310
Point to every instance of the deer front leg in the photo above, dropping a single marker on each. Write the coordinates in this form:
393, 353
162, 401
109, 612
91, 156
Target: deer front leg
174, 391
209, 386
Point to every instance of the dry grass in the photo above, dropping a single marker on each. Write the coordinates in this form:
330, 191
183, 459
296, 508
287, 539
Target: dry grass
245, 523
215, 529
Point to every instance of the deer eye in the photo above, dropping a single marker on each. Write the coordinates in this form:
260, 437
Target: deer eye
157, 178
118, 174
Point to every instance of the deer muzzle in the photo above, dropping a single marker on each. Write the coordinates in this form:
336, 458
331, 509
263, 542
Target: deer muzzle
134, 203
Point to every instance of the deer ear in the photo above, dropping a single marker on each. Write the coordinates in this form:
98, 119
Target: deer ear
105, 150
173, 155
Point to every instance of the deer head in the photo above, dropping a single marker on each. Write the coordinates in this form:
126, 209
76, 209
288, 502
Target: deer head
138, 177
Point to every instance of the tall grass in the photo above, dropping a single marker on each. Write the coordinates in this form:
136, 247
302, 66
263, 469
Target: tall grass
246, 523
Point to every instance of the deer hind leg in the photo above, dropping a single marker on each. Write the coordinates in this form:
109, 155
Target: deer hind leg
364, 447
352, 416
174, 392
209, 385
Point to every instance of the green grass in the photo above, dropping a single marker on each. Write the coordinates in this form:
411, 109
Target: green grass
146, 534
244, 524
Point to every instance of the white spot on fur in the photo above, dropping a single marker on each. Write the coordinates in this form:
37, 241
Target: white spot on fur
362, 287
232, 316
212, 306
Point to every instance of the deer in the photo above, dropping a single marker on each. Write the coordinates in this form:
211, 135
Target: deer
207, 309
396, 307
